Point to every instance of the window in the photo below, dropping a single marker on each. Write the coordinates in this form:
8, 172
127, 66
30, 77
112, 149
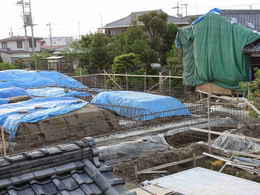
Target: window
4, 45
30, 43
19, 44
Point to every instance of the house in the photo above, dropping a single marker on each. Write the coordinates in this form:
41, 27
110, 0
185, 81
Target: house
123, 24
64, 169
249, 18
18, 47
56, 43
246, 17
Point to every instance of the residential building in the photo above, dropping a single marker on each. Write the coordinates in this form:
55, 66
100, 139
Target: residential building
17, 47
56, 43
249, 18
123, 24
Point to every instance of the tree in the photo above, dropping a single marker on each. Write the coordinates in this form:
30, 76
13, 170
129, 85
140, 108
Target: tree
94, 54
126, 63
161, 34
253, 88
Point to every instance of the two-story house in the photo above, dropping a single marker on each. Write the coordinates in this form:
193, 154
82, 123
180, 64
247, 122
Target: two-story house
18, 47
123, 24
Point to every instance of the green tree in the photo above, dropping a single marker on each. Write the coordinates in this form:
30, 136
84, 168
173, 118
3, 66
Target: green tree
161, 34
126, 63
94, 55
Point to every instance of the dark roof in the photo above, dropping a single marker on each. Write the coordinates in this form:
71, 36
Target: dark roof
71, 169
128, 20
16, 38
252, 48
8, 51
248, 18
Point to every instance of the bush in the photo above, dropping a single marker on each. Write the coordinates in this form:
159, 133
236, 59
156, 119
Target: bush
126, 63
6, 66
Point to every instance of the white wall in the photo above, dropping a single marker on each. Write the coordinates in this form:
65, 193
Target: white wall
12, 45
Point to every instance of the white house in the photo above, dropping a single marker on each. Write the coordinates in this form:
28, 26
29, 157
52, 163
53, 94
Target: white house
57, 43
17, 47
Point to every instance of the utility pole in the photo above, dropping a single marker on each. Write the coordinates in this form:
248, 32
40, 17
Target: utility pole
185, 5
32, 30
50, 33
178, 8
28, 22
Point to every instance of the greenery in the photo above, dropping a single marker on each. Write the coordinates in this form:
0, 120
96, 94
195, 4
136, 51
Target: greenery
6, 66
253, 91
133, 50
126, 63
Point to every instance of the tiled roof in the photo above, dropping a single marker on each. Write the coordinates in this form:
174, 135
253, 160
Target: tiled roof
128, 20
249, 18
72, 169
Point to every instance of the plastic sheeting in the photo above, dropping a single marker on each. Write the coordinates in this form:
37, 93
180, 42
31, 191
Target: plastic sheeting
12, 92
132, 149
228, 143
140, 106
56, 92
33, 79
212, 52
34, 110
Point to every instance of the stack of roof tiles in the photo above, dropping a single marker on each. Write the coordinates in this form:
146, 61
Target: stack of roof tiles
63, 169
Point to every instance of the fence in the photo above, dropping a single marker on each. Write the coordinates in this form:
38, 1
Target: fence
161, 84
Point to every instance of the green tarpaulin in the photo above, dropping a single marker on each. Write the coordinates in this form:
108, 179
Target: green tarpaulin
212, 52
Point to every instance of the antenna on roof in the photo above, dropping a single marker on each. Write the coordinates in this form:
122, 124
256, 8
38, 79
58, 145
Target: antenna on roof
11, 34
178, 8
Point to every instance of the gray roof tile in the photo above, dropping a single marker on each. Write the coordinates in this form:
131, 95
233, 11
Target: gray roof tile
75, 177
128, 20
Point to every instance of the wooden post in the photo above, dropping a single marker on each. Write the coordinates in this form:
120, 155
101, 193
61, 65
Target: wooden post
160, 82
209, 126
3, 140
170, 83
105, 82
126, 80
145, 81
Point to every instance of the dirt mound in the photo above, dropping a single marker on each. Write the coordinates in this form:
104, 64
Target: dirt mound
88, 121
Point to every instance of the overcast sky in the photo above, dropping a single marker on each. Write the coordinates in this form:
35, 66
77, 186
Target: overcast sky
71, 17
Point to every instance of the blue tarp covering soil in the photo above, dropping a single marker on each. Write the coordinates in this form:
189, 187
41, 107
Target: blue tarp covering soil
56, 92
140, 106
34, 110
33, 79
12, 92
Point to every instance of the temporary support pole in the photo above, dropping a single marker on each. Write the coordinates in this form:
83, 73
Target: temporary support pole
3, 140
209, 126
126, 80
170, 83
226, 134
145, 82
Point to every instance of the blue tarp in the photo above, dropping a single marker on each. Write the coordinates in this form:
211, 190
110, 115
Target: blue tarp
12, 92
34, 110
56, 92
150, 105
214, 11
33, 79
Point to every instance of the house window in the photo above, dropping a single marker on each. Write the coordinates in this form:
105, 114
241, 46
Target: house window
4, 45
30, 43
19, 44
